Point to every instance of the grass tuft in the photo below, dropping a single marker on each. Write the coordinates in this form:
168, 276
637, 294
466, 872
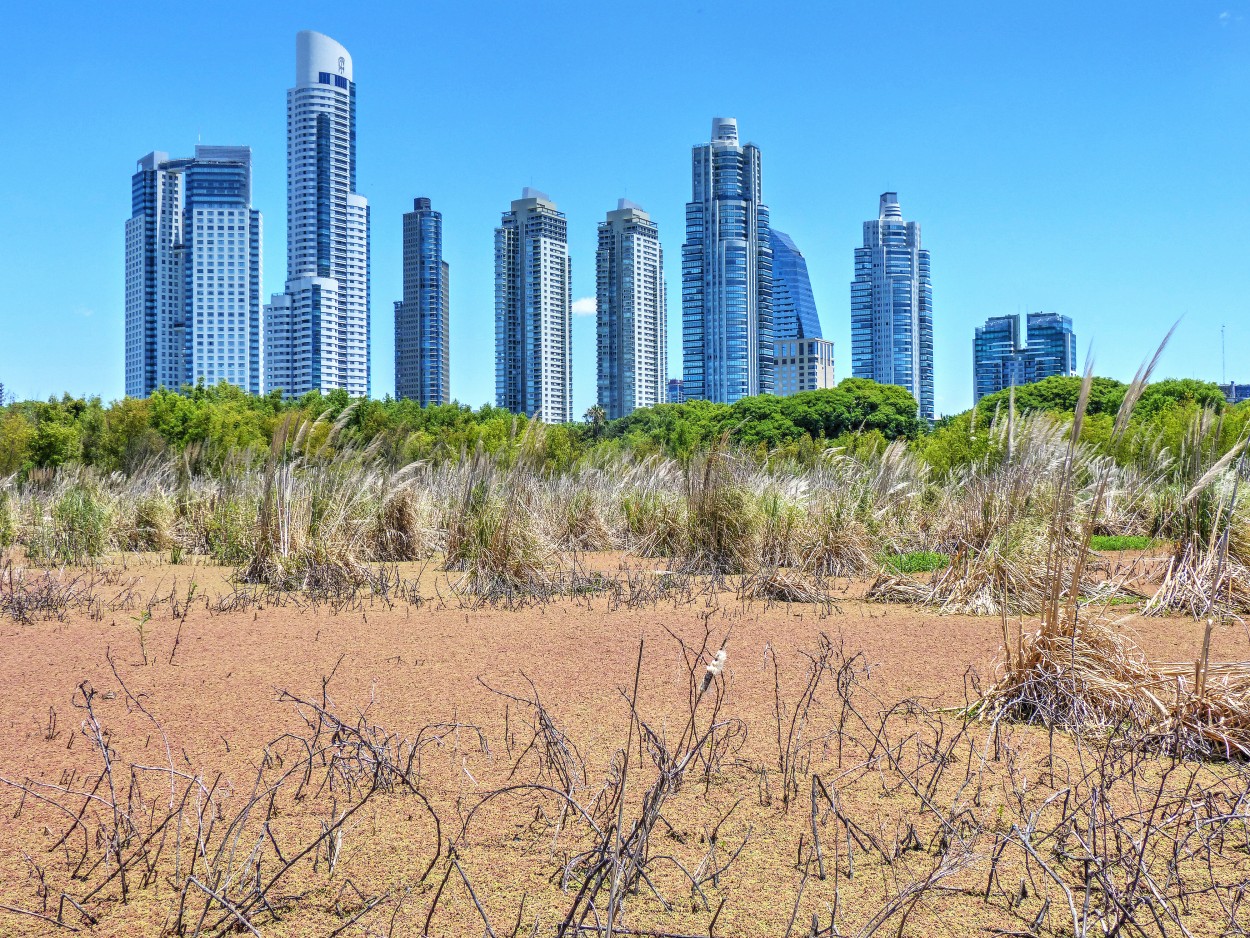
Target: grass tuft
917, 561
1121, 542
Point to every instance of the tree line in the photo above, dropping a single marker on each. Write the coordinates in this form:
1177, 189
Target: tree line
219, 423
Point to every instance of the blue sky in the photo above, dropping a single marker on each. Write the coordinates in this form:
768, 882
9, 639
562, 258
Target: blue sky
1086, 158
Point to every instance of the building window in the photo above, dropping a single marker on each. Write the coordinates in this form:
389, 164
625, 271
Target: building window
323, 78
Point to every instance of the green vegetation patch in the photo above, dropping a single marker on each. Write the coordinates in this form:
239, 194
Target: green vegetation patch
917, 561
1120, 542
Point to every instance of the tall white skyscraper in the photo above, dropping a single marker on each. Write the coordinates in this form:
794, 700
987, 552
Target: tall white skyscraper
726, 273
630, 312
317, 330
533, 310
193, 273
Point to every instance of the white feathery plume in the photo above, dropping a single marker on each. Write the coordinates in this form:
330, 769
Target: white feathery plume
714, 669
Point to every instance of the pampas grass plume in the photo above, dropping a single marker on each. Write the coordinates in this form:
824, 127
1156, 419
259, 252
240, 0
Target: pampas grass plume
713, 670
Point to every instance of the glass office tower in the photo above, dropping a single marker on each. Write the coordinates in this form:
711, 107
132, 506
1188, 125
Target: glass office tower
892, 306
421, 317
794, 306
630, 312
726, 273
533, 310
317, 330
193, 272
1010, 352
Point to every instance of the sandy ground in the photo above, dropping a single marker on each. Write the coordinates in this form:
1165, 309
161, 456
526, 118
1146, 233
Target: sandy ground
213, 681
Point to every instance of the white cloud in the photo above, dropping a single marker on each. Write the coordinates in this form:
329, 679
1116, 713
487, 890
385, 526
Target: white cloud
84, 311
584, 307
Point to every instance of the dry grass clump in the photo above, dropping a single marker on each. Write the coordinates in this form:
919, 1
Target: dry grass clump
1207, 520
493, 531
582, 508
405, 525
311, 533
1079, 673
994, 524
782, 586
723, 514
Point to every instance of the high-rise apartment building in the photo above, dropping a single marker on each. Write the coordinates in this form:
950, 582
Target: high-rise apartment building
892, 306
317, 330
1009, 351
676, 391
421, 317
726, 273
193, 272
630, 312
533, 310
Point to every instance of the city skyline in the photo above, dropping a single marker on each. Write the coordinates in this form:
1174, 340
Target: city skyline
1001, 197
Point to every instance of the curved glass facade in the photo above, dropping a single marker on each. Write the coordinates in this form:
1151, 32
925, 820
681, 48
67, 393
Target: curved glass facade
794, 306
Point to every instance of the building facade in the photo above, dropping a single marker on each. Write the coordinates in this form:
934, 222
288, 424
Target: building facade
676, 391
1236, 393
193, 273
892, 306
318, 328
803, 365
1011, 351
422, 372
726, 273
794, 306
630, 312
533, 310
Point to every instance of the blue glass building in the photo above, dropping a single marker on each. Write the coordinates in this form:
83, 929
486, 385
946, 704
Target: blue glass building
892, 306
794, 306
726, 273
421, 317
1010, 352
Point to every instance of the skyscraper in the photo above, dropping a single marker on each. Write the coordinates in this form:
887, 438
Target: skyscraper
726, 273
630, 312
1008, 352
892, 306
317, 330
193, 273
794, 306
533, 310
802, 360
421, 317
